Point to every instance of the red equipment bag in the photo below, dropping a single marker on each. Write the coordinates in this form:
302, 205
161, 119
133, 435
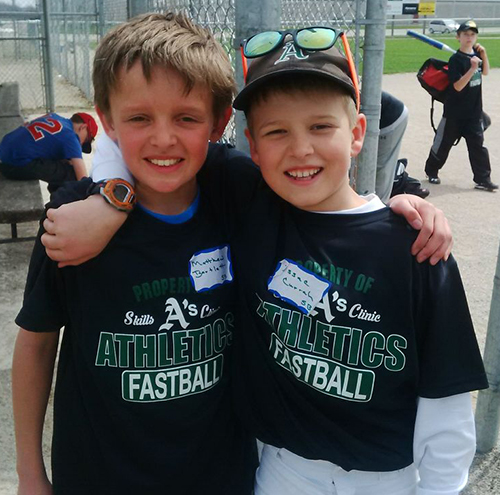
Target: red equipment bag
433, 77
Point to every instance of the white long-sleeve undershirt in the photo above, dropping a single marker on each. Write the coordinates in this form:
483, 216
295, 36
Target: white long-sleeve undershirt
444, 444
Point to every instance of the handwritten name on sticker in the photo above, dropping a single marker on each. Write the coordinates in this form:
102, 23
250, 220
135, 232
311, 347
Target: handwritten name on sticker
297, 285
211, 268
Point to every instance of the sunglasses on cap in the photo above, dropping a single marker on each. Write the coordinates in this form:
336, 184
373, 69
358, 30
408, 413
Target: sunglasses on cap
316, 38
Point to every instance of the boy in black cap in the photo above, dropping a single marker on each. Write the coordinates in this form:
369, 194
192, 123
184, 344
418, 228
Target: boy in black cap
48, 148
355, 362
463, 110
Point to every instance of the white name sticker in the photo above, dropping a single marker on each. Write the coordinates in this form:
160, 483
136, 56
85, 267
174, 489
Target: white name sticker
297, 286
211, 268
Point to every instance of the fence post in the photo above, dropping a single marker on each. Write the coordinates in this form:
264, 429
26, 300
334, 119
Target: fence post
65, 51
86, 85
373, 66
488, 402
357, 34
47, 59
252, 16
74, 80
100, 19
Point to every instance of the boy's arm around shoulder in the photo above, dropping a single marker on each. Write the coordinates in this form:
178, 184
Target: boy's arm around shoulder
434, 240
233, 172
32, 372
78, 227
229, 180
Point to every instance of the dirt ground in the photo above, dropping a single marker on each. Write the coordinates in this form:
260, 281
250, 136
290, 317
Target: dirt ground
474, 217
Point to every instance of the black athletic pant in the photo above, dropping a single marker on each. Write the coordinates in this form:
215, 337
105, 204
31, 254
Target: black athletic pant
448, 132
54, 172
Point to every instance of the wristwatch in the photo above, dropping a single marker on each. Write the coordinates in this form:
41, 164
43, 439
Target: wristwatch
117, 192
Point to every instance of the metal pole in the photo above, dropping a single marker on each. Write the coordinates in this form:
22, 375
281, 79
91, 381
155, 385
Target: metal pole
252, 16
16, 42
74, 79
488, 402
47, 60
357, 48
100, 18
86, 86
373, 65
66, 45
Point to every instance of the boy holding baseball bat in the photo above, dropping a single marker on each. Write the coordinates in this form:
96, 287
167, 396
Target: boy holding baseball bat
463, 110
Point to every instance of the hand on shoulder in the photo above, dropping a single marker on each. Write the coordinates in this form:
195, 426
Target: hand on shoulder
77, 232
434, 241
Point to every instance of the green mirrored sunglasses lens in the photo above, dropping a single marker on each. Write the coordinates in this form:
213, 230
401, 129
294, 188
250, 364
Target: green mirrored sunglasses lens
316, 38
262, 43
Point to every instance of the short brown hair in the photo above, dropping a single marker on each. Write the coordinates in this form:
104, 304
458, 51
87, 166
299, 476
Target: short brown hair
172, 41
305, 84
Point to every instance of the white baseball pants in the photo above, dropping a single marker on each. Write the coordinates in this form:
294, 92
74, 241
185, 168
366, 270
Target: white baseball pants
283, 473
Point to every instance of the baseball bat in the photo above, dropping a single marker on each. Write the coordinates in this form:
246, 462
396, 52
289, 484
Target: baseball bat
435, 43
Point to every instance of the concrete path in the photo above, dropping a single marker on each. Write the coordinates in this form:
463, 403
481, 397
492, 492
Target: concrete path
474, 217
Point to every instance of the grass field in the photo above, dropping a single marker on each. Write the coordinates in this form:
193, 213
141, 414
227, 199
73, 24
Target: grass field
408, 54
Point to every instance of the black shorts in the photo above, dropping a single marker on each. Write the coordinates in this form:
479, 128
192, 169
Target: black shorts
54, 172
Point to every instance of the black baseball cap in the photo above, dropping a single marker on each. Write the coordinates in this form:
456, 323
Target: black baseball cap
468, 25
288, 60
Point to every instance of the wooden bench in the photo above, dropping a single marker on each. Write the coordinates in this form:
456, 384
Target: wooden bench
20, 201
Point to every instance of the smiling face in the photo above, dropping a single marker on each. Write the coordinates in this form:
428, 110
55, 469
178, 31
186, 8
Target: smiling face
163, 133
467, 40
303, 144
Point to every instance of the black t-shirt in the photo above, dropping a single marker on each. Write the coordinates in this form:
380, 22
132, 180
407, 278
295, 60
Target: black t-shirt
142, 401
468, 103
338, 380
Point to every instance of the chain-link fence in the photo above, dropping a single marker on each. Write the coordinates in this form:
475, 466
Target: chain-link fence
113, 12
219, 16
51, 56
74, 34
21, 55
75, 27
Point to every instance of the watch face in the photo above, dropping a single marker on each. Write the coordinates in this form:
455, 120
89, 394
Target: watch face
120, 191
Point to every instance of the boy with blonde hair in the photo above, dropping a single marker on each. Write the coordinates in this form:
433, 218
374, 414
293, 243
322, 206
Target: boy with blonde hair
142, 402
355, 362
